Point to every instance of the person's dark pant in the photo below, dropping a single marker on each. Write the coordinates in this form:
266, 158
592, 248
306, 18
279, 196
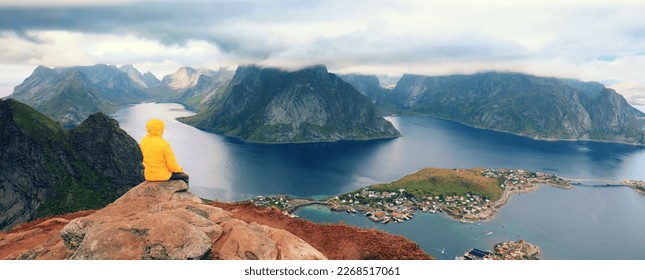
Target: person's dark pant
179, 176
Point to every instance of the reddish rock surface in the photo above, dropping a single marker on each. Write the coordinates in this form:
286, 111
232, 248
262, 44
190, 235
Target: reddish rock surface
165, 221
335, 241
39, 237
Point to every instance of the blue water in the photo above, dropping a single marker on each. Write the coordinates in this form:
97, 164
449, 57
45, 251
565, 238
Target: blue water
566, 224
583, 223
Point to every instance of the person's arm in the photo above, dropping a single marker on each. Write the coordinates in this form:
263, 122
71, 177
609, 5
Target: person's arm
171, 161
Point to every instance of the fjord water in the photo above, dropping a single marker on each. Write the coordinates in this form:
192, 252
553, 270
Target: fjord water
585, 223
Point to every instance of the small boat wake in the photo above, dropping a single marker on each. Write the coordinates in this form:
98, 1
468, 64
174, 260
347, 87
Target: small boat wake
442, 251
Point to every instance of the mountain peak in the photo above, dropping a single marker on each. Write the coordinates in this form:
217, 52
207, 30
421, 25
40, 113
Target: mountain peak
146, 80
269, 105
185, 77
70, 94
46, 170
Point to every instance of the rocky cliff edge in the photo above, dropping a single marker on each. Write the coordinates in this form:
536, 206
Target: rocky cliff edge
155, 220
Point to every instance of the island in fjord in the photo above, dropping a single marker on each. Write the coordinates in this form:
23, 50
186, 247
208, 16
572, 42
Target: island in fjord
464, 194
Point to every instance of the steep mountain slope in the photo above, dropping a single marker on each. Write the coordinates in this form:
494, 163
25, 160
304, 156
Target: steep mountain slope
269, 105
155, 89
207, 89
368, 85
185, 77
147, 80
45, 170
544, 108
70, 94
632, 91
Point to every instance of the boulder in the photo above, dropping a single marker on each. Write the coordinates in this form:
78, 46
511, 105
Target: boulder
163, 220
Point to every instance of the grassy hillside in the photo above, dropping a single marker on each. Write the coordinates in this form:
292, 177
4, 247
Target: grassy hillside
444, 182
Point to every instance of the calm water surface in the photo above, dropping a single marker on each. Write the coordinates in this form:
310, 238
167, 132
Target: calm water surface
584, 223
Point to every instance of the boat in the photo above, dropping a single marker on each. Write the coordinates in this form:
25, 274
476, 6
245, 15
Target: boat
433, 211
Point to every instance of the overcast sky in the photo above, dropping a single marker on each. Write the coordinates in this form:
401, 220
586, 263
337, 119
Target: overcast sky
588, 40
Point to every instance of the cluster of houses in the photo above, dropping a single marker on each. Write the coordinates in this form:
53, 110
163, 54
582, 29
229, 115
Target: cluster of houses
400, 206
522, 178
279, 201
516, 250
377, 206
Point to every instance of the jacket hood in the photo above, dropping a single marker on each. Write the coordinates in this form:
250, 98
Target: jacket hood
155, 127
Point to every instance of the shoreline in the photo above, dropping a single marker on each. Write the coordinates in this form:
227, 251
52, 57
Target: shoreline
515, 182
506, 196
638, 186
536, 138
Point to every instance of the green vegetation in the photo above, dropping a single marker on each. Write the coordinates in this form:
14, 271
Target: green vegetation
36, 124
63, 180
444, 182
538, 107
72, 195
305, 97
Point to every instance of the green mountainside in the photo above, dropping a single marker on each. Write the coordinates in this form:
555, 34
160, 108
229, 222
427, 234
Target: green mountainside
70, 94
46, 170
269, 105
538, 107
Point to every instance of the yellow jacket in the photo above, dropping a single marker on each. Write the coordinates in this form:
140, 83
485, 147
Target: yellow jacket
158, 159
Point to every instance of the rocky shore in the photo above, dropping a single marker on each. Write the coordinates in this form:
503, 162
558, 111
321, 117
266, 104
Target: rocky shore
507, 250
516, 250
638, 186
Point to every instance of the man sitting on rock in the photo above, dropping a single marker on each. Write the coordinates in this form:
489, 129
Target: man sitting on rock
159, 161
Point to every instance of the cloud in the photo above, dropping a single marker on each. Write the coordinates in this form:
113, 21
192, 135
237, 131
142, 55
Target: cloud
61, 3
591, 40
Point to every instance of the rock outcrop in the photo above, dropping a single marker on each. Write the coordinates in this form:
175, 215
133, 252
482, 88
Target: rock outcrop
163, 220
369, 85
158, 220
46, 170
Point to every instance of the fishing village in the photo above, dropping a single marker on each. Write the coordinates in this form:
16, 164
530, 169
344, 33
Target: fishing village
465, 195
400, 205
485, 191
